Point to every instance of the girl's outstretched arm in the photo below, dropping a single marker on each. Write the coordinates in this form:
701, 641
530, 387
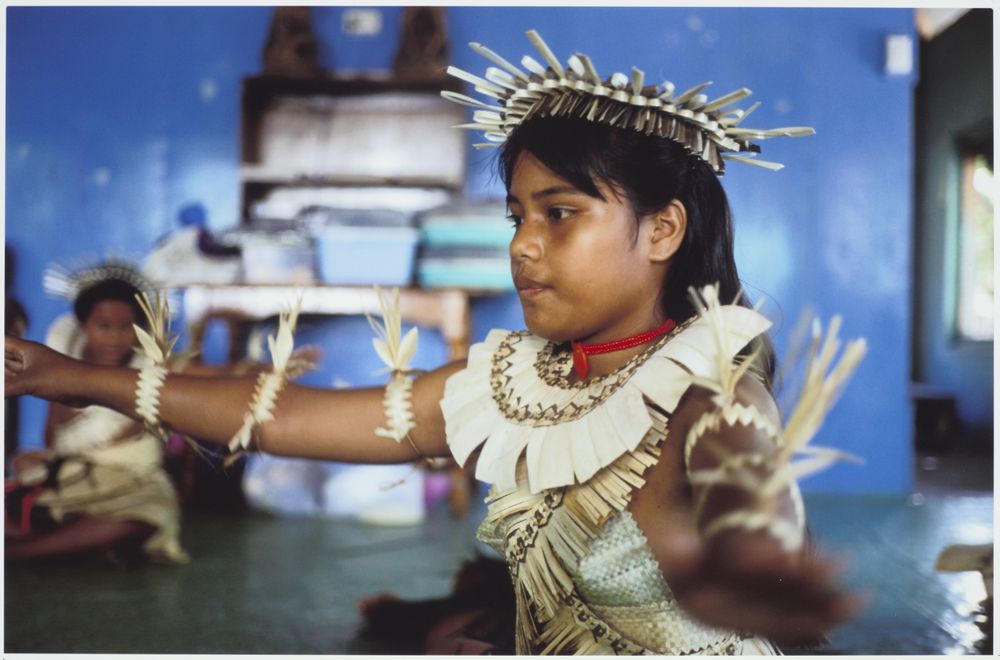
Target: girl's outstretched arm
726, 554
308, 422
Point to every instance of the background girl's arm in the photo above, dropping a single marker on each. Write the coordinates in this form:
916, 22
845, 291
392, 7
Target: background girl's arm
57, 414
309, 422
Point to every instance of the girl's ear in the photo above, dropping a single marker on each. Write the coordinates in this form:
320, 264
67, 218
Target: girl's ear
667, 230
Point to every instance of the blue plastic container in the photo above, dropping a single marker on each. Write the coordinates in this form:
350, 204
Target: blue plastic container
366, 255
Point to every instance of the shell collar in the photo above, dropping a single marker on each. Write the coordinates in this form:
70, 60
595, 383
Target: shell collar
510, 402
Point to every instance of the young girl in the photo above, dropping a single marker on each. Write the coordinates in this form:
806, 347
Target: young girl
100, 484
642, 494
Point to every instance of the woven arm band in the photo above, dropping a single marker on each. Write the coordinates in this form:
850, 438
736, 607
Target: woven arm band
265, 395
398, 406
156, 345
147, 395
762, 474
396, 350
269, 383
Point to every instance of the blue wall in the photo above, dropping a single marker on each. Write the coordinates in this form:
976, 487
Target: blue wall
118, 116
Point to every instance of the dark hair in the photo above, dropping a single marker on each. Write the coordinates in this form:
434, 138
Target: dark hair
110, 289
649, 172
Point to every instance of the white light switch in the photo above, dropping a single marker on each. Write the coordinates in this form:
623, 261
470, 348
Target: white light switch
898, 55
361, 22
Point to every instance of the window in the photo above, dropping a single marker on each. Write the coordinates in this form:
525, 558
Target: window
975, 264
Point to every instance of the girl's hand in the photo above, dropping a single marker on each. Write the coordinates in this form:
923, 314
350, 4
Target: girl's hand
304, 359
31, 368
744, 581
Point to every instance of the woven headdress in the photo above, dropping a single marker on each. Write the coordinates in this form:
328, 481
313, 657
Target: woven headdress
69, 282
708, 129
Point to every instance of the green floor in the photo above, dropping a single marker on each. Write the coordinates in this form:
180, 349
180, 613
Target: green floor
289, 586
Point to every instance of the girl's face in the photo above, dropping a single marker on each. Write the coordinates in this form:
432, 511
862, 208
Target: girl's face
109, 333
581, 266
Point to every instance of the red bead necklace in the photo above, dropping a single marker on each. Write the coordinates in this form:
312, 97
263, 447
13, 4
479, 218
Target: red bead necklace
580, 351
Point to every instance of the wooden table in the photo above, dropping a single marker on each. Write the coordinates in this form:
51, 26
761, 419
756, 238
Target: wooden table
445, 309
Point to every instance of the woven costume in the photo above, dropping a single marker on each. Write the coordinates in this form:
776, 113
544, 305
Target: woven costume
564, 460
89, 472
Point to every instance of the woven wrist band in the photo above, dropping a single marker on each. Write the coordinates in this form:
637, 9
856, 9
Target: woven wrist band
397, 404
147, 395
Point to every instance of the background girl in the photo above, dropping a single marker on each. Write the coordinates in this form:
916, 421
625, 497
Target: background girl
100, 484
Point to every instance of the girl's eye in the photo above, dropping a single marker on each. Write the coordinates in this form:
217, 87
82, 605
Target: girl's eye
515, 220
559, 213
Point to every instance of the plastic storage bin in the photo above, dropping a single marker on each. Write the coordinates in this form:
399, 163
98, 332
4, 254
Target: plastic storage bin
465, 246
366, 255
277, 260
486, 274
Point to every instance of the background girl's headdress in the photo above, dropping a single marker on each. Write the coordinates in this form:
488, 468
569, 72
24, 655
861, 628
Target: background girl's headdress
708, 129
64, 281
